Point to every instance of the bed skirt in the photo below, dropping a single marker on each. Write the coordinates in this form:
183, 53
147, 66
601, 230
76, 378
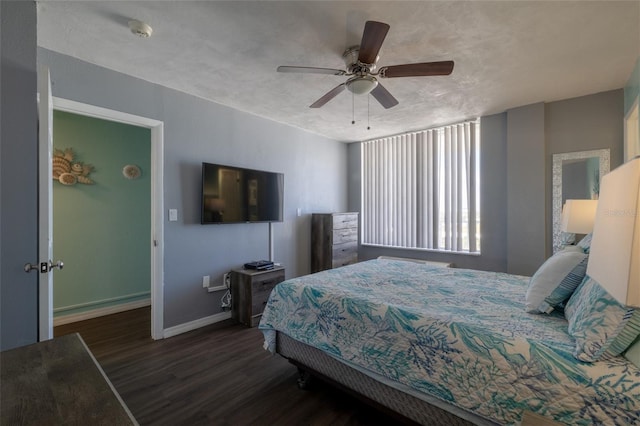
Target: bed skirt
403, 403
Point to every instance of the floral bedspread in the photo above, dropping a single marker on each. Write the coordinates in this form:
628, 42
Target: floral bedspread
459, 335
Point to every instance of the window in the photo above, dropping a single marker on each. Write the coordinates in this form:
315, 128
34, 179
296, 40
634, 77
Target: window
421, 190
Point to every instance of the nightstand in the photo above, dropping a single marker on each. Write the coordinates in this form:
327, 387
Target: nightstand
250, 290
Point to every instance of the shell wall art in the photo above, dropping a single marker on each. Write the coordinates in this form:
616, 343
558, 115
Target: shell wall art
69, 172
131, 171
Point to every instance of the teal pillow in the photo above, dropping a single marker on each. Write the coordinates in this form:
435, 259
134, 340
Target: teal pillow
550, 276
633, 353
602, 327
585, 243
565, 289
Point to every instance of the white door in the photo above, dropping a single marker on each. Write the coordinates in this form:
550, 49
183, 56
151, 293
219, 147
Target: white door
45, 208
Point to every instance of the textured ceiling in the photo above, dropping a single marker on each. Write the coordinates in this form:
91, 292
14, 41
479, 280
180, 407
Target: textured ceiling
506, 53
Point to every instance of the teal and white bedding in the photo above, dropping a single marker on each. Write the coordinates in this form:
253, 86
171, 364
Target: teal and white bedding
459, 335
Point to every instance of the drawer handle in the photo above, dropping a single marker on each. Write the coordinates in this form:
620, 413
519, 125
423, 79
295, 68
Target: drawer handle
268, 282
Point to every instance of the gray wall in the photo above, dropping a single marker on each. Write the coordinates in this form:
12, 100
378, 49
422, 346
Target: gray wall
196, 130
525, 189
18, 174
516, 155
583, 124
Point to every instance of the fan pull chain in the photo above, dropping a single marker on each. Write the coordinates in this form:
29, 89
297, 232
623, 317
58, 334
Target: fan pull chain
368, 112
353, 108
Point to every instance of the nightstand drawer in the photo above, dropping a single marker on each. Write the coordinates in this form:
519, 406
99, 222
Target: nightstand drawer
266, 281
261, 291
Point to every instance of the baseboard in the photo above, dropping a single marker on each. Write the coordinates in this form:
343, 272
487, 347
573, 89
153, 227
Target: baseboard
95, 313
193, 325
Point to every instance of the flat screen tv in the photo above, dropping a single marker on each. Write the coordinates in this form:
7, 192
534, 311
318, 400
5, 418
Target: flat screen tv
238, 195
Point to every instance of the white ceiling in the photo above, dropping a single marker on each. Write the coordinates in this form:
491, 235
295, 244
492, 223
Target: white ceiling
506, 53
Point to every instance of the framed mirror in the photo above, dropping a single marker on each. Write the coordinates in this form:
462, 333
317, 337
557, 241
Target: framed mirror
576, 175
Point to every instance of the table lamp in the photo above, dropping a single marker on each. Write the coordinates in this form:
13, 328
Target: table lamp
614, 259
578, 216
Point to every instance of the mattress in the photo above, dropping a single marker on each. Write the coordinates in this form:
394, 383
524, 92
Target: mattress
460, 336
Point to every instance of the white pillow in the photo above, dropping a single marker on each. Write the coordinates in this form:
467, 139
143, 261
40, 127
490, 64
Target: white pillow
573, 248
549, 276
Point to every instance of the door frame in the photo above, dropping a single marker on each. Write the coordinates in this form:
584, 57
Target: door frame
157, 196
631, 132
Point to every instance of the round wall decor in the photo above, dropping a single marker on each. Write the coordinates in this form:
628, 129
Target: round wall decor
131, 171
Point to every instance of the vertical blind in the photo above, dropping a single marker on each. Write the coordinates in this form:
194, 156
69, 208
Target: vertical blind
421, 190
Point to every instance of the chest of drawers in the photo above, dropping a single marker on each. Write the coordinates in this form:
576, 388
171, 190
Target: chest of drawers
334, 240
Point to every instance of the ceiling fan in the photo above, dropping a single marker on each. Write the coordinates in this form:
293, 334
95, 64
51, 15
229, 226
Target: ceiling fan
361, 68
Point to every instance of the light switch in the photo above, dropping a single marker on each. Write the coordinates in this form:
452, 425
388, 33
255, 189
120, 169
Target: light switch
173, 215
299, 212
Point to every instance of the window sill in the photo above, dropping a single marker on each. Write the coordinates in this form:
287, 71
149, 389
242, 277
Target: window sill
459, 253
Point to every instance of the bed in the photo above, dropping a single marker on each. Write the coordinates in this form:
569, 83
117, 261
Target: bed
445, 346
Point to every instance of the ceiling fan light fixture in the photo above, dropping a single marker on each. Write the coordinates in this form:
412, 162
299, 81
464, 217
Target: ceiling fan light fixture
362, 85
139, 28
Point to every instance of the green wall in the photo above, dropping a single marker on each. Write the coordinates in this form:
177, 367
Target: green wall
632, 88
631, 93
102, 232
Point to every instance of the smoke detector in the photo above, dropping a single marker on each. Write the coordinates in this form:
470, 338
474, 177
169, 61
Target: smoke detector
140, 28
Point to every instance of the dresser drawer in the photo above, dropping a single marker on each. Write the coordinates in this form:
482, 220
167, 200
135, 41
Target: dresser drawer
344, 254
344, 259
346, 235
341, 221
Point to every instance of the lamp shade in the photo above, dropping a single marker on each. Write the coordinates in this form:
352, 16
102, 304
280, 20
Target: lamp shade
614, 259
362, 85
578, 216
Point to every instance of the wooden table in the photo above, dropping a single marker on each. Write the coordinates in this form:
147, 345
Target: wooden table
58, 382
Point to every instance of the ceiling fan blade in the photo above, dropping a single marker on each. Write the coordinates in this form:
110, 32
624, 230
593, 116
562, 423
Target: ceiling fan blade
328, 96
383, 96
372, 38
417, 70
311, 70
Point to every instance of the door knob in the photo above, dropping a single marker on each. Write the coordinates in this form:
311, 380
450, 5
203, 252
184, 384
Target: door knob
59, 264
28, 267
43, 267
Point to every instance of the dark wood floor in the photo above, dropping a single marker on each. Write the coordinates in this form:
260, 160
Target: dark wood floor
216, 375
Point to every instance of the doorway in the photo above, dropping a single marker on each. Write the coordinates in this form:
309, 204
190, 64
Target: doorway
155, 220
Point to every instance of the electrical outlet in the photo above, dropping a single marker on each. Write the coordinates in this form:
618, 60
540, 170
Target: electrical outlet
205, 281
226, 280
